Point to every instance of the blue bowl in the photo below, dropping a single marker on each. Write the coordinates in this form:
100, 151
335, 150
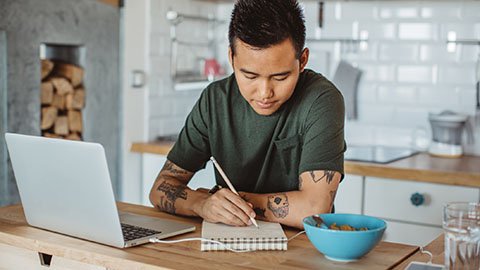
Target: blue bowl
345, 246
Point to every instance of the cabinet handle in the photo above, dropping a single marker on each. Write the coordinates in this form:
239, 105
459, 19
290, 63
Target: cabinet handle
417, 199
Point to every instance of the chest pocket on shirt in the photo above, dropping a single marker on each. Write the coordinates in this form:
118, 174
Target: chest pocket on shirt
289, 152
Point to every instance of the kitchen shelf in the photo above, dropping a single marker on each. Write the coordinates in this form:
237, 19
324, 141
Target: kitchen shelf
186, 83
465, 41
190, 80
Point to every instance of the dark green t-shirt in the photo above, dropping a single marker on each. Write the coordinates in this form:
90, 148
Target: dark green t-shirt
264, 154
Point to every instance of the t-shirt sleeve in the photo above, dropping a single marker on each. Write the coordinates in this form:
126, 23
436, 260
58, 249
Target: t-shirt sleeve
192, 150
323, 140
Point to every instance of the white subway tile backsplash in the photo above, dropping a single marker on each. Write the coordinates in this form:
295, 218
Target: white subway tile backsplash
417, 31
415, 74
468, 97
399, 52
373, 113
470, 11
398, 10
392, 135
439, 10
333, 30
397, 94
438, 97
367, 93
469, 53
409, 116
358, 11
462, 30
370, 53
377, 30
359, 133
378, 72
160, 44
320, 61
159, 23
437, 53
160, 66
461, 74
407, 12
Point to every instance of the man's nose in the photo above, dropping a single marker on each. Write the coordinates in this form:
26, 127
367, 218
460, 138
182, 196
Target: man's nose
266, 90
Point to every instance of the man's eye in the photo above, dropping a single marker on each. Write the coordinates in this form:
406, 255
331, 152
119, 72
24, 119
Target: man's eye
281, 78
251, 77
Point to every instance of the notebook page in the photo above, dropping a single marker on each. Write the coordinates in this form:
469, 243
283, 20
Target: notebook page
264, 230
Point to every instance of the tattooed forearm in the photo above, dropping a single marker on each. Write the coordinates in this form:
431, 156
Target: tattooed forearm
327, 175
260, 212
171, 167
172, 193
278, 204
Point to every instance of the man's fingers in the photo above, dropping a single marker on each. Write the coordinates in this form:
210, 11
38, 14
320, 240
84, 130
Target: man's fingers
240, 203
233, 209
231, 219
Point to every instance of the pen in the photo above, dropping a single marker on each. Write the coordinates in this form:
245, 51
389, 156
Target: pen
229, 184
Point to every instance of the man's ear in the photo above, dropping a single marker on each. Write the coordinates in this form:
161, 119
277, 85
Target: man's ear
230, 57
304, 59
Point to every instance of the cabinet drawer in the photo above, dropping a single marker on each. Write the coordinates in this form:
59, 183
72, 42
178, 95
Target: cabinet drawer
410, 234
391, 199
349, 195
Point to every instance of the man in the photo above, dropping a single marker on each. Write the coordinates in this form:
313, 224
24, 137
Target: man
276, 128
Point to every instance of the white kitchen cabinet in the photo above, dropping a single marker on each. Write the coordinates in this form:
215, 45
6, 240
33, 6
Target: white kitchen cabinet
153, 163
349, 197
388, 198
412, 234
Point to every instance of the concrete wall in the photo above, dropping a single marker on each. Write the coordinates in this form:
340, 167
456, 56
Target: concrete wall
28, 23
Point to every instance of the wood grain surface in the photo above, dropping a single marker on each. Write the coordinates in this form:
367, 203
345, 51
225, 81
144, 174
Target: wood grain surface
14, 231
436, 247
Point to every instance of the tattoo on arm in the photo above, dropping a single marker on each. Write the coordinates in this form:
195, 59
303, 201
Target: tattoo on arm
278, 204
172, 168
327, 175
260, 212
172, 193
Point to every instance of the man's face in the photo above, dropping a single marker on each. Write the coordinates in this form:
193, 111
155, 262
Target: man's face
267, 77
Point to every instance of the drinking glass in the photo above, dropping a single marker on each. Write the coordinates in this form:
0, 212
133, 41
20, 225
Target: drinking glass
461, 224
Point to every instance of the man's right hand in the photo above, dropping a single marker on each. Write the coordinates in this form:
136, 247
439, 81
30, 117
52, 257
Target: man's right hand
226, 207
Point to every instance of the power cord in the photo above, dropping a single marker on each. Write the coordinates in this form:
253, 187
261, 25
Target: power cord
156, 240
423, 251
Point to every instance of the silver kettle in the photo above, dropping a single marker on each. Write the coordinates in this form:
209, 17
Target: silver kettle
447, 131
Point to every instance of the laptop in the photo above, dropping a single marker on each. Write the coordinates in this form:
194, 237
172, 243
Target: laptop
65, 187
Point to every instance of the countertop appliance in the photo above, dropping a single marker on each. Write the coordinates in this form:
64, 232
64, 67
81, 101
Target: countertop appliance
377, 153
447, 131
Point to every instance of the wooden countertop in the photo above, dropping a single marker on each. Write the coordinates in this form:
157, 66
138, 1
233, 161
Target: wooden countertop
14, 231
436, 247
464, 171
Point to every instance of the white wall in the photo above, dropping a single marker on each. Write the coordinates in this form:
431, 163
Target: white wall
169, 108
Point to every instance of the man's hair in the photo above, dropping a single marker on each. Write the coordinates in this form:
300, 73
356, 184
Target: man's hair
263, 23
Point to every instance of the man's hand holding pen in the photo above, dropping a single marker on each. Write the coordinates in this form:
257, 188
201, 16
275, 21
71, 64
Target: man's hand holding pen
226, 207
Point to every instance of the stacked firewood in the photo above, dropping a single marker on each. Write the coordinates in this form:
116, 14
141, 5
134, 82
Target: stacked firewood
62, 98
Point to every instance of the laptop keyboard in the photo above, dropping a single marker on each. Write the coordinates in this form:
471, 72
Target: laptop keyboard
131, 232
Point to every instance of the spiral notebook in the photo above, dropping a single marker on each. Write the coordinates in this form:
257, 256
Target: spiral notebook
268, 236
